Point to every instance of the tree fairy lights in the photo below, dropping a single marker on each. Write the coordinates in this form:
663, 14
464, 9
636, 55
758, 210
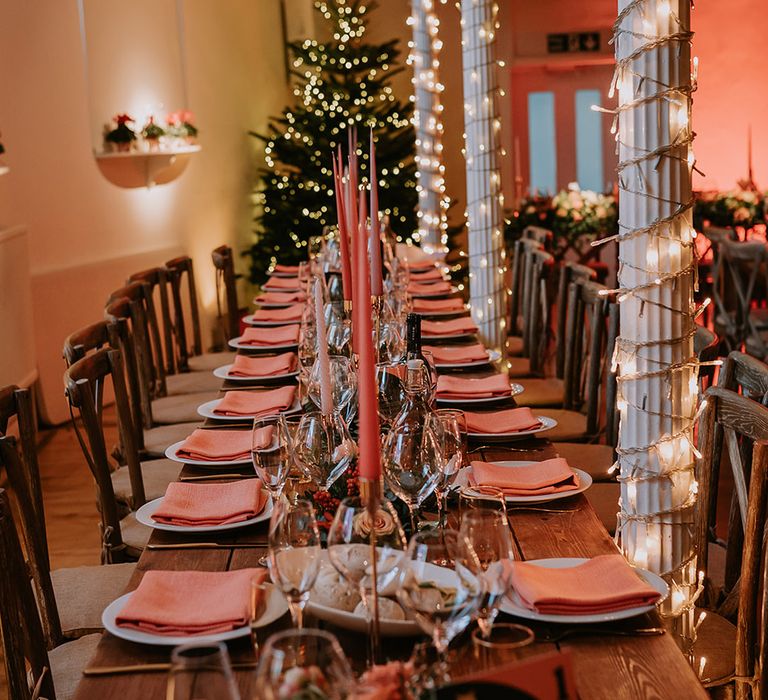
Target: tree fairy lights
654, 356
427, 120
485, 201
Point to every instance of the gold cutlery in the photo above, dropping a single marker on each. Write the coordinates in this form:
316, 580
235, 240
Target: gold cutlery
147, 668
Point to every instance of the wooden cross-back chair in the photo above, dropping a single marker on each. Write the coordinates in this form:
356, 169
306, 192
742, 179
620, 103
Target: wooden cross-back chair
518, 284
537, 332
541, 235
157, 280
730, 422
224, 264
569, 272
180, 270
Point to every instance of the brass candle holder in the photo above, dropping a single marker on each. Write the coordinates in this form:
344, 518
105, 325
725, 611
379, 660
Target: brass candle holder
371, 493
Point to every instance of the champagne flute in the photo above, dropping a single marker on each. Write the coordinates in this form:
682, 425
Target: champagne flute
298, 480
295, 552
201, 671
485, 542
454, 425
271, 453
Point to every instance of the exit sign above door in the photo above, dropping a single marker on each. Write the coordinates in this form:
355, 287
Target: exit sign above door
574, 42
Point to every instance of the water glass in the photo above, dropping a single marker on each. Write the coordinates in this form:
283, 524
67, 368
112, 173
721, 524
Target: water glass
390, 386
343, 382
323, 447
271, 453
201, 671
502, 646
454, 429
488, 497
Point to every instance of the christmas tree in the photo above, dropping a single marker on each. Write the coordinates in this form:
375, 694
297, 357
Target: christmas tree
340, 83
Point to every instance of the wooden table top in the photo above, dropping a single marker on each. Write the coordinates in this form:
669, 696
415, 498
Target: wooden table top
606, 667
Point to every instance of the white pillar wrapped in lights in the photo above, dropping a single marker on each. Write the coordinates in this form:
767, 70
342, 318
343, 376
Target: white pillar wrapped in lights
485, 218
657, 368
427, 121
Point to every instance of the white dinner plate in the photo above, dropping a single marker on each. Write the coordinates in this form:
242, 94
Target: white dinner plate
437, 339
206, 410
237, 345
273, 306
493, 356
223, 373
287, 290
585, 481
514, 390
547, 423
427, 294
251, 321
512, 605
444, 312
144, 516
170, 453
276, 607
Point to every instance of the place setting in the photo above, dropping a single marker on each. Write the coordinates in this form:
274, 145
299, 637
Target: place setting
268, 339
263, 369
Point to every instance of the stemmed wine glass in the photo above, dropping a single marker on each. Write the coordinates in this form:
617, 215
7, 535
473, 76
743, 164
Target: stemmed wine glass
295, 553
454, 427
271, 453
488, 497
390, 385
343, 382
350, 552
439, 591
485, 542
303, 664
201, 671
323, 447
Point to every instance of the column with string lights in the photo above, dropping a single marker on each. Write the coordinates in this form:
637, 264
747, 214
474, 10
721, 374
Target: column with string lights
654, 357
427, 120
485, 220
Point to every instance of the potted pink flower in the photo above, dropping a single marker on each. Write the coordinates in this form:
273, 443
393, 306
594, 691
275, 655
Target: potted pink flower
181, 125
152, 133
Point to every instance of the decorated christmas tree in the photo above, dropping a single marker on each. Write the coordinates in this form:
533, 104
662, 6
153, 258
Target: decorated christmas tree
339, 83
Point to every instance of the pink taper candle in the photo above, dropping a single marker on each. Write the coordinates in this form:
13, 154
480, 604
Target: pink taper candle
350, 210
326, 393
369, 460
346, 257
377, 284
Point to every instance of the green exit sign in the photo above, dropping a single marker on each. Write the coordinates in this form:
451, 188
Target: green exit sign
574, 42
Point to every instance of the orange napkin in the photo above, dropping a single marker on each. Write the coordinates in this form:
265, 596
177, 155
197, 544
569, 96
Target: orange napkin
276, 335
282, 283
456, 354
416, 265
285, 269
252, 404
427, 305
280, 298
289, 313
190, 602
245, 366
602, 584
457, 388
537, 479
435, 289
510, 420
455, 326
431, 273
216, 445
199, 505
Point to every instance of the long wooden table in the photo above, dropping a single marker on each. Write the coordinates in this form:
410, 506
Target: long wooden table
607, 667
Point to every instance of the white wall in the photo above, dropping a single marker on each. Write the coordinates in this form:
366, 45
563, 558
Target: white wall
85, 234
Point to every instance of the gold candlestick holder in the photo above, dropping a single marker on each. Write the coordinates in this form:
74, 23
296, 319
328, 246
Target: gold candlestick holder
371, 493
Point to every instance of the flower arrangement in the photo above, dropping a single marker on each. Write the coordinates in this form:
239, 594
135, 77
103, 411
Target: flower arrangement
181, 125
152, 133
737, 207
121, 137
179, 130
301, 683
390, 681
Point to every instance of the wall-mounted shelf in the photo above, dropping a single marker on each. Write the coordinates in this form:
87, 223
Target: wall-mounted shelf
145, 168
4, 170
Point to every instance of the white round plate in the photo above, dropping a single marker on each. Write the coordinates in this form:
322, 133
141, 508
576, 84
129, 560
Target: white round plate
206, 410
287, 290
251, 321
237, 345
272, 306
514, 390
547, 423
144, 516
512, 606
585, 481
493, 356
437, 339
427, 295
444, 312
276, 607
170, 453
223, 373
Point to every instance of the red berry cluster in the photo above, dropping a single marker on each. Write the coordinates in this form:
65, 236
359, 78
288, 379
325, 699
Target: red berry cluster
327, 505
353, 486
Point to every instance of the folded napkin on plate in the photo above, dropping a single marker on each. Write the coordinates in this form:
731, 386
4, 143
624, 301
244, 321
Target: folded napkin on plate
201, 505
286, 269
184, 603
454, 326
457, 354
431, 273
256, 403
435, 289
216, 446
426, 306
275, 335
415, 265
282, 283
280, 298
602, 584
537, 479
510, 420
457, 388
289, 313
245, 366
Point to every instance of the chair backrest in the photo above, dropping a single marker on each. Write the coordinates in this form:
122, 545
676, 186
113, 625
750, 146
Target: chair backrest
536, 328
19, 457
224, 264
178, 269
706, 346
569, 272
739, 420
746, 374
157, 279
81, 383
519, 282
539, 234
22, 634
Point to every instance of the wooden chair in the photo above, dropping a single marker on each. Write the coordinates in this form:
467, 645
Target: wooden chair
157, 281
543, 236
224, 264
518, 298
32, 671
70, 600
123, 537
190, 357
569, 272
